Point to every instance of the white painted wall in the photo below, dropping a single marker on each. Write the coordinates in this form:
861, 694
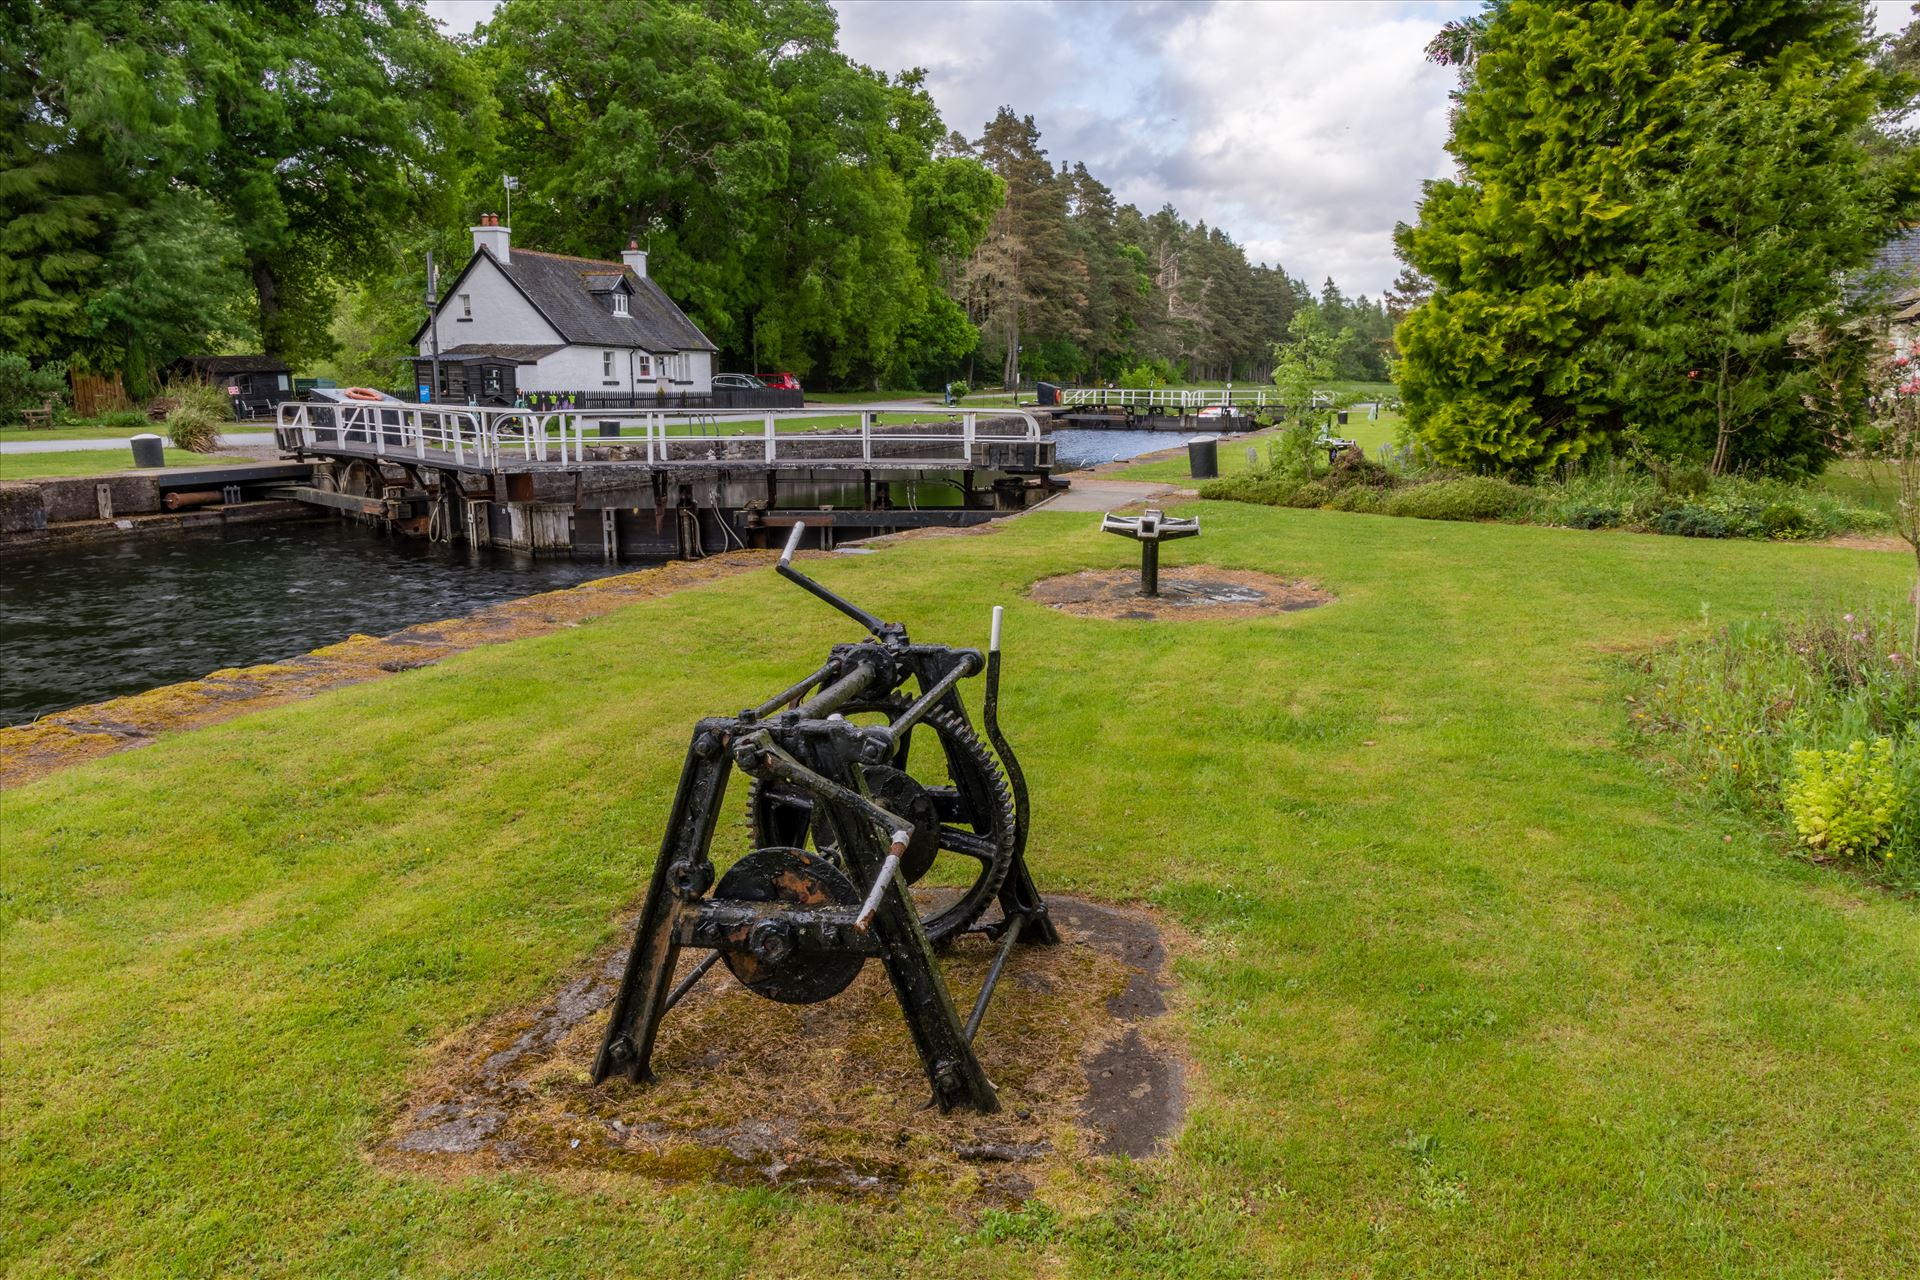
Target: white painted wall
579, 369
501, 313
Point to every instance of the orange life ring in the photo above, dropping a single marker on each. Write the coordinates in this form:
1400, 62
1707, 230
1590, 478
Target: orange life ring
363, 393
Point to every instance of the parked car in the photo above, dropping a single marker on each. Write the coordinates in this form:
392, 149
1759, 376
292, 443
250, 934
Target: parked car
737, 382
780, 381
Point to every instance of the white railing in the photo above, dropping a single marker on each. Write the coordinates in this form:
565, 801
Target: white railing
1172, 398
487, 439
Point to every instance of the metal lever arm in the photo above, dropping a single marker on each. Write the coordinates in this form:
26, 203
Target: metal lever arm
786, 570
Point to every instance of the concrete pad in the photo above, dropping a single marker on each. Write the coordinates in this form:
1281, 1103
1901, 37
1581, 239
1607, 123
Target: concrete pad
1089, 494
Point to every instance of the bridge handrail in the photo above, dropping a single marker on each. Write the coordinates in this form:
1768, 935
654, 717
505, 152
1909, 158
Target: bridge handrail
1177, 398
483, 437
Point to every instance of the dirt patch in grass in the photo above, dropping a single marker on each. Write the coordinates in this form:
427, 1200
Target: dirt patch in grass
68, 737
1197, 591
827, 1096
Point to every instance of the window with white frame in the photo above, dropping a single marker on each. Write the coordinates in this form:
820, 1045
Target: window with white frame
642, 365
606, 364
620, 303
466, 306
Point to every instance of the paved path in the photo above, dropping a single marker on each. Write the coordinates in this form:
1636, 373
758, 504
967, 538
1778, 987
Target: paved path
1091, 494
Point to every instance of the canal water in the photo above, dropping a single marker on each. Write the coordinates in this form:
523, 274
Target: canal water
1078, 450
84, 623
89, 622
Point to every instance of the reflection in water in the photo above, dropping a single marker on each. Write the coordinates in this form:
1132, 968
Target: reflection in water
79, 624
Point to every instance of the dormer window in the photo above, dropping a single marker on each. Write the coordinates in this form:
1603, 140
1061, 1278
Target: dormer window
620, 303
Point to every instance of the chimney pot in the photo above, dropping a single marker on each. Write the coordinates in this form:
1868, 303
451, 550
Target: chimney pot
493, 237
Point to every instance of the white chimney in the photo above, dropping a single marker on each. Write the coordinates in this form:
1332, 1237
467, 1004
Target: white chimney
636, 257
493, 237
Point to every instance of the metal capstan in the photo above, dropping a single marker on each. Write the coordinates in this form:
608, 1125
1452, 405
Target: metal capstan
1150, 530
841, 827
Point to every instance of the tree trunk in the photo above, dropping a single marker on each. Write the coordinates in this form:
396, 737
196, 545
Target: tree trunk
1010, 366
266, 287
1723, 440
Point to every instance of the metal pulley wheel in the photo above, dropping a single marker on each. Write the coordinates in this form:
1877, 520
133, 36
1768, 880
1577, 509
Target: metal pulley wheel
955, 795
771, 964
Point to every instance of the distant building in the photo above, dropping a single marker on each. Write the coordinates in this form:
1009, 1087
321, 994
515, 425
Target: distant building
255, 384
1897, 269
517, 322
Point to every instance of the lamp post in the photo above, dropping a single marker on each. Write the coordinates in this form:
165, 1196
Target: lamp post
433, 324
512, 184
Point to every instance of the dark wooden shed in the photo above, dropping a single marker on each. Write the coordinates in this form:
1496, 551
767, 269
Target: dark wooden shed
256, 384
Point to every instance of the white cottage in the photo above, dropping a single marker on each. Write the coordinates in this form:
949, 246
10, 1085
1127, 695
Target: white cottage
517, 322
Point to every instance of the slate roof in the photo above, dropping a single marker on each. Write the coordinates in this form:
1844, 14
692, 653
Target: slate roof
1899, 262
562, 288
210, 366
519, 352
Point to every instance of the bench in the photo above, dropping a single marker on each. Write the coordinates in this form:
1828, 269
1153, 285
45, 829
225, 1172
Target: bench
41, 417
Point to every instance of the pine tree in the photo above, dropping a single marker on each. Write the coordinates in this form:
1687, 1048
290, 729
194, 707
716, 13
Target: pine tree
1021, 276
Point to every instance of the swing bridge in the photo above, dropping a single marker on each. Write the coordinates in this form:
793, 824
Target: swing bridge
660, 483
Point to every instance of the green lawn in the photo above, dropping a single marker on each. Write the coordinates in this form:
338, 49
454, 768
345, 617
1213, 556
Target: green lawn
80, 431
865, 397
1861, 484
85, 430
92, 462
1473, 992
1371, 433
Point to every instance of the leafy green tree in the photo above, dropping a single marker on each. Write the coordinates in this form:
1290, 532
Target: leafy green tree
1304, 363
309, 131
1571, 120
173, 284
795, 203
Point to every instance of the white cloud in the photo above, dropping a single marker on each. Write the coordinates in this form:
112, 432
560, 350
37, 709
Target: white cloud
1304, 130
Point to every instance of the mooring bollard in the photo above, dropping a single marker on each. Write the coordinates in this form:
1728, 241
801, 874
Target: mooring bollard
149, 450
1150, 530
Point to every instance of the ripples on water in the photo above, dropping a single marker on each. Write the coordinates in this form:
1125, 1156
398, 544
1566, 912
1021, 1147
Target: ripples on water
1077, 450
85, 623
80, 624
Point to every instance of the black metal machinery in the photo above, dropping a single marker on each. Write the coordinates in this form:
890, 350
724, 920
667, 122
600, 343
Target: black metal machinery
832, 766
1150, 530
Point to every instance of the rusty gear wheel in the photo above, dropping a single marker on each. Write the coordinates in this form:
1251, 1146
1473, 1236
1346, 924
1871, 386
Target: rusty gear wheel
961, 786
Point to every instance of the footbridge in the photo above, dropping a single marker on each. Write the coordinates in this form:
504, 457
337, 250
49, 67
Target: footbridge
1222, 409
661, 483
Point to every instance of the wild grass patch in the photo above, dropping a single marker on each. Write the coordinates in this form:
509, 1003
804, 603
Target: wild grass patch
196, 412
1813, 725
1403, 483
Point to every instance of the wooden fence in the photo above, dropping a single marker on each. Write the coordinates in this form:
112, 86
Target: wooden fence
94, 394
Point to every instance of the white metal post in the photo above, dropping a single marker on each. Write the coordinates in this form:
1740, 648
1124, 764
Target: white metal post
770, 436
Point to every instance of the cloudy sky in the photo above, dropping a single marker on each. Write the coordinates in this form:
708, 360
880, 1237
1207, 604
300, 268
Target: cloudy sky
1303, 128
